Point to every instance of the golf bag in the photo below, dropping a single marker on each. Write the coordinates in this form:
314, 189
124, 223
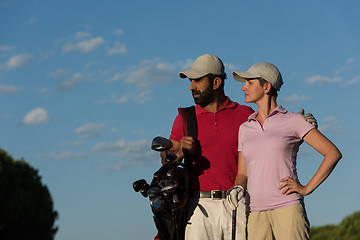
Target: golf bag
169, 188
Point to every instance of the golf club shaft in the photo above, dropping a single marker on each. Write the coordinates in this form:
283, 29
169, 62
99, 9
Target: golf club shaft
233, 233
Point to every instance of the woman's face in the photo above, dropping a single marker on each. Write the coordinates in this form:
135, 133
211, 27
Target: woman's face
253, 90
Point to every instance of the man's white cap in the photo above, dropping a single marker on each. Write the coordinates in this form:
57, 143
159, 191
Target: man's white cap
267, 71
204, 65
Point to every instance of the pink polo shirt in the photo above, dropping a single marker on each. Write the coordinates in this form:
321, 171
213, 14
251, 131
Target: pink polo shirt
216, 167
270, 154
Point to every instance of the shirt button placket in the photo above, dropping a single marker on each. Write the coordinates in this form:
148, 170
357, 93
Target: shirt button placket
215, 122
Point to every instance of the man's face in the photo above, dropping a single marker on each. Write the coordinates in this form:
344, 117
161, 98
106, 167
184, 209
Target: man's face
202, 91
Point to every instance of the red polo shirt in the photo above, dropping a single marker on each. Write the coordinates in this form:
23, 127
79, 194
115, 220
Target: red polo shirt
215, 168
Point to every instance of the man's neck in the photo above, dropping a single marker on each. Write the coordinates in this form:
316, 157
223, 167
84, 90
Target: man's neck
218, 103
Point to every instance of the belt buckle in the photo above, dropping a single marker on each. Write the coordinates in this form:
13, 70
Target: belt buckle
216, 194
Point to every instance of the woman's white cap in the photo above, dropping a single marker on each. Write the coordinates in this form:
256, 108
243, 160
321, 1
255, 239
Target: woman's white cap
267, 71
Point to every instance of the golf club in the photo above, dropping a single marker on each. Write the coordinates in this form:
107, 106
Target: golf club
161, 144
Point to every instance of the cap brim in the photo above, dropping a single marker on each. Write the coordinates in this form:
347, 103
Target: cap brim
242, 76
193, 74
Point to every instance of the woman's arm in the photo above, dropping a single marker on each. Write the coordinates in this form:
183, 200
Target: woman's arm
331, 157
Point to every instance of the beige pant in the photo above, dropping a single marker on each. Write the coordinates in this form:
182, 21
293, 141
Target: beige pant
288, 223
212, 220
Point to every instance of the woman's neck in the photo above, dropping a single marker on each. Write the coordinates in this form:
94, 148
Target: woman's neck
265, 107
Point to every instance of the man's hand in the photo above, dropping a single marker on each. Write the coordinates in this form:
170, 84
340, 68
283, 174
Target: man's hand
309, 118
234, 195
187, 146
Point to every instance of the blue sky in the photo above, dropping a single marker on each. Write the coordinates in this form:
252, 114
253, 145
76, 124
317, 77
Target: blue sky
86, 85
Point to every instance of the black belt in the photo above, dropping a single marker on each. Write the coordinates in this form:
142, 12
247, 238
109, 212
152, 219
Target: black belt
213, 194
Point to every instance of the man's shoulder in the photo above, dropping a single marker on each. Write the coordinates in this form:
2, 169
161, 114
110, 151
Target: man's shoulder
240, 107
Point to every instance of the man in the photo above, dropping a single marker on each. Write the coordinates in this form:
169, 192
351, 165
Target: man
214, 154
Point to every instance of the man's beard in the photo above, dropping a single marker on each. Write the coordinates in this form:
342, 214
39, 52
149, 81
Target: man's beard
206, 97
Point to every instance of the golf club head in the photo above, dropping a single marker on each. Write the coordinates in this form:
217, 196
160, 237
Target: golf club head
170, 174
176, 199
144, 190
170, 157
161, 144
137, 185
156, 202
153, 191
167, 185
168, 195
157, 176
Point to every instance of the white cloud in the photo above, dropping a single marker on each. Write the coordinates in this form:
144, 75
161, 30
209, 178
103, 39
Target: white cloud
119, 100
137, 151
58, 73
230, 67
118, 48
90, 130
117, 166
70, 83
20, 60
352, 81
61, 155
150, 72
118, 32
350, 60
143, 96
32, 21
113, 130
294, 98
73, 144
345, 70
9, 89
36, 116
80, 34
84, 46
323, 79
5, 116
330, 125
186, 64
6, 48
117, 76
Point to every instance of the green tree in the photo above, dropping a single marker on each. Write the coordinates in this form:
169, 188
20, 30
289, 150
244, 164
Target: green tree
26, 206
322, 233
348, 229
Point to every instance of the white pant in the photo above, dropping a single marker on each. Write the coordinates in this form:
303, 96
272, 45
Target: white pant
212, 220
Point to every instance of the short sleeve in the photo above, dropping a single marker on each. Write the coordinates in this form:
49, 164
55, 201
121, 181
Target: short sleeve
302, 126
177, 132
240, 140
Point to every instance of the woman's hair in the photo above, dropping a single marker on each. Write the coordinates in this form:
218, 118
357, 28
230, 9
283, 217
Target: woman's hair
273, 91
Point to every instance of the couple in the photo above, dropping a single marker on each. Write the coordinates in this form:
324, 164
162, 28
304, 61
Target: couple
241, 153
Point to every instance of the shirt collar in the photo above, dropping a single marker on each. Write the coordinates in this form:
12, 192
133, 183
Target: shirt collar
278, 109
228, 105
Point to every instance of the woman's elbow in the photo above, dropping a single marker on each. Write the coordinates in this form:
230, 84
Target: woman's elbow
337, 155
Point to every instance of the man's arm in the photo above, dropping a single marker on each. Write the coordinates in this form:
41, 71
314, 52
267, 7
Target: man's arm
241, 177
186, 144
235, 194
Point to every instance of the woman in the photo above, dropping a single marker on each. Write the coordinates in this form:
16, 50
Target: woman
268, 146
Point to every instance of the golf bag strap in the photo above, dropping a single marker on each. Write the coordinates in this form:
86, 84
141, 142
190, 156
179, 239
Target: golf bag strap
188, 118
